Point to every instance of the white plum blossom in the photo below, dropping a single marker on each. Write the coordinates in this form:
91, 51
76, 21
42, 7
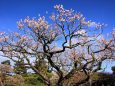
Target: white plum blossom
92, 24
62, 19
2, 33
83, 22
16, 34
59, 7
68, 15
53, 17
80, 32
100, 26
34, 24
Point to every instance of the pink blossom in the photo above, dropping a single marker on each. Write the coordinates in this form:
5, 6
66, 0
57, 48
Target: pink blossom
23, 38
2, 33
35, 24
83, 22
78, 16
62, 19
81, 31
59, 7
53, 17
20, 24
1, 39
100, 26
16, 34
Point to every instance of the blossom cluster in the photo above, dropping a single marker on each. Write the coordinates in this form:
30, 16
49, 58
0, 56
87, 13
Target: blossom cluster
65, 15
70, 16
3, 37
34, 24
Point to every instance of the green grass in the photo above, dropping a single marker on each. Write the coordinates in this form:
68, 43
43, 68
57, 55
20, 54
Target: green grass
32, 80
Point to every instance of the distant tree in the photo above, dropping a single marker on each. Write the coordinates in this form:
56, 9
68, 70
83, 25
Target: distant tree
68, 45
7, 62
19, 67
16, 80
113, 69
4, 71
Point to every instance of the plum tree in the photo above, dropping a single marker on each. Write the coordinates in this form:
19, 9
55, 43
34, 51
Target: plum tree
68, 44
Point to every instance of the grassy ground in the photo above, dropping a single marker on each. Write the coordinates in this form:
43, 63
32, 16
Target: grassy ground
32, 80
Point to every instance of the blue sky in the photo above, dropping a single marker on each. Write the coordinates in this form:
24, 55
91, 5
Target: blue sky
102, 11
96, 10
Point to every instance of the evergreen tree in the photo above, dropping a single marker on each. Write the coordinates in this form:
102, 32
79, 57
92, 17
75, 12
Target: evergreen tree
19, 67
6, 62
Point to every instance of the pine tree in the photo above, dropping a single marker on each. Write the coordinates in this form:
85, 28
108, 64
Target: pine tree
19, 67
